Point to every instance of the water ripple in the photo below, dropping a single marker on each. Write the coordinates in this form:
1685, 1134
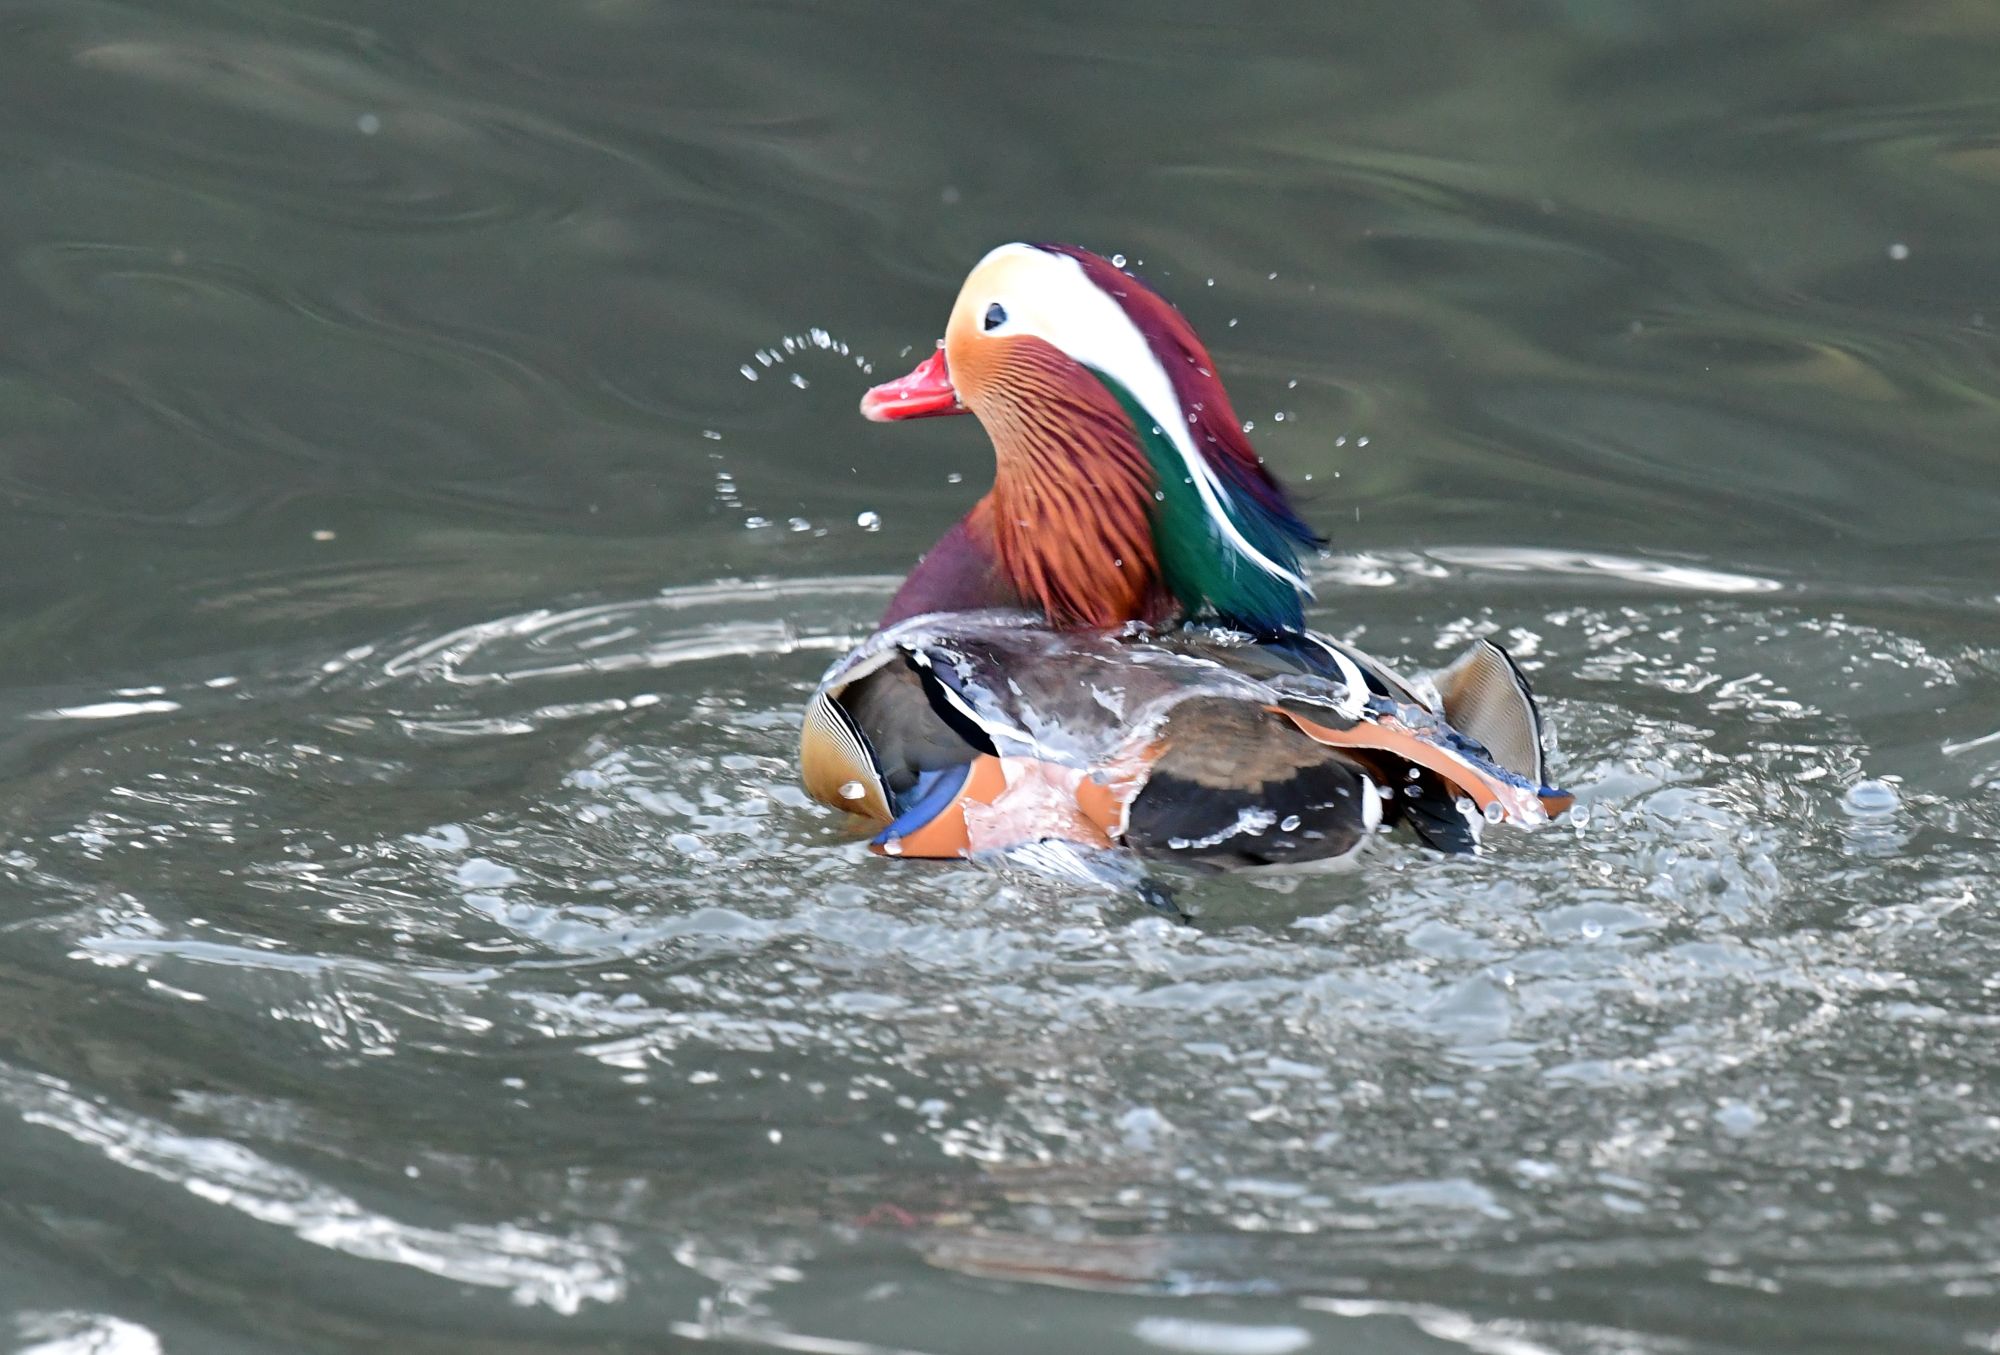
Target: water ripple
533, 1266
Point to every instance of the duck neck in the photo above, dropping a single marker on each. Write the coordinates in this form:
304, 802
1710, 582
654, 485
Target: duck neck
961, 573
1072, 497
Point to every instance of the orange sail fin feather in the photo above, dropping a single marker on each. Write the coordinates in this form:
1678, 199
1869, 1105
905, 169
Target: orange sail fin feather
1026, 688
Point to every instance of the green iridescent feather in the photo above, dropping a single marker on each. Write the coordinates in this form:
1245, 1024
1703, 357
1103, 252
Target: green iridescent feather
1200, 565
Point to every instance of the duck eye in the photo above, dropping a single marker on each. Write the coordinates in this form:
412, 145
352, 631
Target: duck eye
996, 316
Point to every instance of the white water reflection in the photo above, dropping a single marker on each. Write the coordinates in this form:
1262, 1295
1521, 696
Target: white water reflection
1195, 1337
107, 710
74, 1333
1658, 573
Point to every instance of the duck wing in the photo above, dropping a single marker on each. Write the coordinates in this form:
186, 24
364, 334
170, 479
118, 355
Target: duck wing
1240, 785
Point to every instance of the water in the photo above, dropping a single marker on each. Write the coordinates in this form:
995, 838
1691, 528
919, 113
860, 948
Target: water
415, 938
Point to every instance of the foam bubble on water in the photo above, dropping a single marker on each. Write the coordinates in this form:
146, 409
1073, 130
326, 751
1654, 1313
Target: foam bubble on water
1871, 799
1737, 1118
480, 873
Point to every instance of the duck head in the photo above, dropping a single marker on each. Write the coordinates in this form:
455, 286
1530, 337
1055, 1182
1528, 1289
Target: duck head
1124, 486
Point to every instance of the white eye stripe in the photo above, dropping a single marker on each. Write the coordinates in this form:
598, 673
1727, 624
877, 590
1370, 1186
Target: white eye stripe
1055, 300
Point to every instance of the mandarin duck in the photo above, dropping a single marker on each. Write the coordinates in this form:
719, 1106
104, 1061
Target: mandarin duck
1107, 659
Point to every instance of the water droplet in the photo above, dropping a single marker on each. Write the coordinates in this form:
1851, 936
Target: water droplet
868, 520
893, 847
368, 124
711, 435
1580, 816
852, 790
1117, 260
749, 372
753, 522
1290, 823
1232, 322
1249, 425
800, 381
799, 525
1361, 442
1899, 251
1871, 799
1495, 811
954, 478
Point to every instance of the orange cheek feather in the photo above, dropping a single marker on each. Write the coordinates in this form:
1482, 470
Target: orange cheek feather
1072, 487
